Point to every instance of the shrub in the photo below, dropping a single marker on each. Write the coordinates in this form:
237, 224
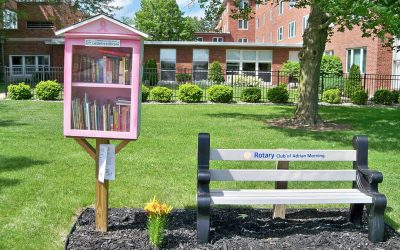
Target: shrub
48, 90
215, 74
220, 93
395, 96
145, 93
353, 83
333, 82
190, 93
383, 96
359, 97
331, 65
291, 68
278, 94
331, 96
246, 81
21, 91
251, 94
161, 94
150, 75
183, 77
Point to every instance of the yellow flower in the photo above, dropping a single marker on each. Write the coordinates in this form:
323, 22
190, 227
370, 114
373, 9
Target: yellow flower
156, 208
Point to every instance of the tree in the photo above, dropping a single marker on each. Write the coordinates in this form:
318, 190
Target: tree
163, 21
92, 8
379, 19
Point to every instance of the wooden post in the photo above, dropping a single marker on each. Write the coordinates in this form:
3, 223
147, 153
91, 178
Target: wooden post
279, 210
101, 193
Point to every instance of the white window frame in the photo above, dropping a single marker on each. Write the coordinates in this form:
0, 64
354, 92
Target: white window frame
280, 33
396, 59
199, 39
167, 60
290, 35
242, 3
243, 24
304, 23
329, 52
23, 67
10, 19
280, 8
362, 49
257, 23
218, 39
243, 40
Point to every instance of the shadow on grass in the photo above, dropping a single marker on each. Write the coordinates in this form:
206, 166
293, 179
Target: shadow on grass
9, 123
18, 163
8, 183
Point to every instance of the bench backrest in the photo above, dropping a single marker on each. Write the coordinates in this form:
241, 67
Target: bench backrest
359, 157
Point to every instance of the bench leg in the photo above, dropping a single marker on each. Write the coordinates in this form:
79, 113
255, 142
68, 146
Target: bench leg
376, 222
203, 219
356, 212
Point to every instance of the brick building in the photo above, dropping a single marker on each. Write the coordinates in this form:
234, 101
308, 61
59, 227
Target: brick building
283, 24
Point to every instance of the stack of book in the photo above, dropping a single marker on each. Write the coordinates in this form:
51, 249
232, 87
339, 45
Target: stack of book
87, 115
108, 69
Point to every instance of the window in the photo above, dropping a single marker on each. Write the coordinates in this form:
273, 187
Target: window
280, 33
168, 64
257, 23
249, 62
294, 56
242, 24
243, 4
199, 39
270, 13
280, 8
10, 20
263, 19
242, 40
23, 65
329, 52
304, 24
218, 39
396, 61
39, 25
357, 56
292, 29
200, 64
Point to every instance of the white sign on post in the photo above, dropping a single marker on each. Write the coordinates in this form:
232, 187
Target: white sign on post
106, 162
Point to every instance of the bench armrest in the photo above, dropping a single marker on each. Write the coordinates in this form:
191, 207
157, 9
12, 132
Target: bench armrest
203, 176
371, 176
368, 180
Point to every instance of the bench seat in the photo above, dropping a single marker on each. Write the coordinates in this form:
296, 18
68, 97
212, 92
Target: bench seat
288, 196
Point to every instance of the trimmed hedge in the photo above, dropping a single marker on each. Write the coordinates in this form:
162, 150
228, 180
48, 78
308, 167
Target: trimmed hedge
183, 77
161, 94
360, 98
190, 93
48, 90
278, 94
220, 93
145, 93
19, 91
252, 94
215, 75
396, 96
331, 96
383, 96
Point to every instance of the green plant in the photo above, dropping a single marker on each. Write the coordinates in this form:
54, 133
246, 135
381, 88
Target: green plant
150, 75
360, 97
246, 81
161, 94
220, 93
383, 96
291, 68
395, 96
353, 82
19, 91
278, 94
215, 75
190, 93
48, 90
251, 94
183, 77
331, 65
332, 82
145, 93
157, 213
331, 96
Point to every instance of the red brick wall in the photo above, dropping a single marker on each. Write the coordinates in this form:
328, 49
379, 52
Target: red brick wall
208, 37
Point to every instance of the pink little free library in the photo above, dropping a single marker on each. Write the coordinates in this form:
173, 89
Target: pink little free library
102, 68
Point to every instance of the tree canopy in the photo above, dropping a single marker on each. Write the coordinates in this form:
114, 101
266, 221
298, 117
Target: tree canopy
164, 21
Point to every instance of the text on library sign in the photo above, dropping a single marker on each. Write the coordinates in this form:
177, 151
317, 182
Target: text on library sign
102, 43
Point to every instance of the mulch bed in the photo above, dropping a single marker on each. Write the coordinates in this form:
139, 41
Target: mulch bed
242, 228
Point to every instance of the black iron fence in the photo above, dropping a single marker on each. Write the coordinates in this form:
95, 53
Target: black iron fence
238, 80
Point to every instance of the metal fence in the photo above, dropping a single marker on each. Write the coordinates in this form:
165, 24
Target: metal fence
238, 80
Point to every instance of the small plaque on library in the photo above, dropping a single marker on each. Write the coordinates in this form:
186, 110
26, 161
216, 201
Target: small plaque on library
106, 162
102, 43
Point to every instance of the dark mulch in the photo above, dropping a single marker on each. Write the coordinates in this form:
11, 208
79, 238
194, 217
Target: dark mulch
321, 126
231, 229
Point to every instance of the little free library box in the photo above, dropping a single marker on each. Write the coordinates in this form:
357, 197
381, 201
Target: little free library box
102, 68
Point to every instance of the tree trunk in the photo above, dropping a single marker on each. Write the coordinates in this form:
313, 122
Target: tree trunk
314, 39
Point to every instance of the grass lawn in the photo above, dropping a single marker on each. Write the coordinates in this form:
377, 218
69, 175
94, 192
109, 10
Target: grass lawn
46, 179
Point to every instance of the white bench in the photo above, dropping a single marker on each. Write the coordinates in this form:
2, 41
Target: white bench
364, 191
